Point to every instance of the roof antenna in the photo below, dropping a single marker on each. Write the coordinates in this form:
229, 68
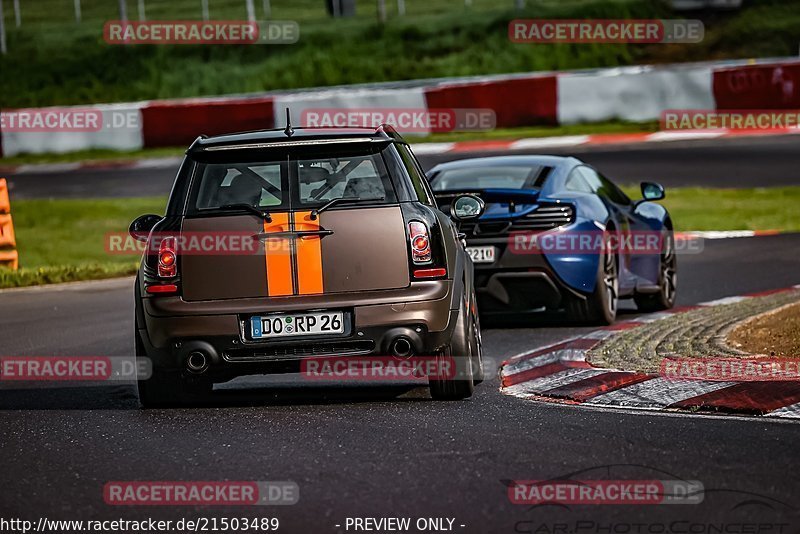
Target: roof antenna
289, 130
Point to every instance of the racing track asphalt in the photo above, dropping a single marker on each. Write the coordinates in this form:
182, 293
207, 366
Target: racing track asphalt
728, 162
386, 451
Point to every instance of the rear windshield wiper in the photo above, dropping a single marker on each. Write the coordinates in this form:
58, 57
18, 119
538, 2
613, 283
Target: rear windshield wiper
247, 207
343, 200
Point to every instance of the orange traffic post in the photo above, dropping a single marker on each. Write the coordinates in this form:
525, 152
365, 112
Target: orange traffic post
8, 242
5, 204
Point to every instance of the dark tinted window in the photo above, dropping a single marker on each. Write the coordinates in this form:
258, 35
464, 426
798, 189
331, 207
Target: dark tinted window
501, 176
297, 182
613, 192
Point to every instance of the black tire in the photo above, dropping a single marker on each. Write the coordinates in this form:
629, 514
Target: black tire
667, 281
599, 307
478, 375
451, 386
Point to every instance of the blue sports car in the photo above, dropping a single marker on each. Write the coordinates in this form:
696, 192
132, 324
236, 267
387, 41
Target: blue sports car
553, 233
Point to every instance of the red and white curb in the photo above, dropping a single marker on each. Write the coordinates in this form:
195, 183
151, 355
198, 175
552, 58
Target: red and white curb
560, 373
429, 149
544, 143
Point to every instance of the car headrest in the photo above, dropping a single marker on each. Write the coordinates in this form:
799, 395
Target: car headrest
364, 188
313, 175
242, 190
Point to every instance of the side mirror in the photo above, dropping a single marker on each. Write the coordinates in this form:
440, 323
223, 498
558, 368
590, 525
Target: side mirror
466, 208
141, 226
652, 191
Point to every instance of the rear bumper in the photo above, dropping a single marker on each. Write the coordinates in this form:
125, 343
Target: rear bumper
527, 290
522, 281
424, 314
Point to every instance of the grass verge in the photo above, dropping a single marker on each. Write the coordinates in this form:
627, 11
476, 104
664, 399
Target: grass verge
698, 208
64, 240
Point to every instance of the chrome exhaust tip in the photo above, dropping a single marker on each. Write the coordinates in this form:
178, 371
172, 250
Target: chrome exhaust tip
197, 362
402, 348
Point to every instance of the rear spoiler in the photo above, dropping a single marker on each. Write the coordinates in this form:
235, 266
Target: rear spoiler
295, 143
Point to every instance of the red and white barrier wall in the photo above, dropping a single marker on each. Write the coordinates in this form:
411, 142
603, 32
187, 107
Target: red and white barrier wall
626, 94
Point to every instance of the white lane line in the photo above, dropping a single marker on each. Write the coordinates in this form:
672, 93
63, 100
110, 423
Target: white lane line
722, 301
653, 317
432, 148
720, 234
547, 142
681, 136
556, 380
658, 392
791, 412
158, 163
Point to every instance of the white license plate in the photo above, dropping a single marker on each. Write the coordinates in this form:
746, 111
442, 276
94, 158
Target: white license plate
298, 324
481, 254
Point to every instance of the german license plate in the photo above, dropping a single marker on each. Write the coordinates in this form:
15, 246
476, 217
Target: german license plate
297, 324
481, 254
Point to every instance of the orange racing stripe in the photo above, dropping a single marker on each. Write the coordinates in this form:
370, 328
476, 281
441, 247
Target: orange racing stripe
309, 255
279, 257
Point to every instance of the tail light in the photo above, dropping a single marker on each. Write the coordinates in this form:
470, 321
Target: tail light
420, 242
168, 258
430, 273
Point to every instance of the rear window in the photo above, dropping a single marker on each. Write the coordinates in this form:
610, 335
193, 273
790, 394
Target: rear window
501, 177
288, 182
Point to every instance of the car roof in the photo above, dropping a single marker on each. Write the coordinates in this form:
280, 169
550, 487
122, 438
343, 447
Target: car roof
294, 137
514, 161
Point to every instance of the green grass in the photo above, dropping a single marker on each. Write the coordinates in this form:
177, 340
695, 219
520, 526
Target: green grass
64, 240
697, 208
54, 61
500, 133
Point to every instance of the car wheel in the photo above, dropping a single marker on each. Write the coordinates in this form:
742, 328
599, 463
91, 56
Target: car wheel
458, 383
477, 345
667, 281
600, 307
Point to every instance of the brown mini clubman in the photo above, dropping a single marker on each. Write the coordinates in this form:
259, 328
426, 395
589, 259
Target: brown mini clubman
282, 245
